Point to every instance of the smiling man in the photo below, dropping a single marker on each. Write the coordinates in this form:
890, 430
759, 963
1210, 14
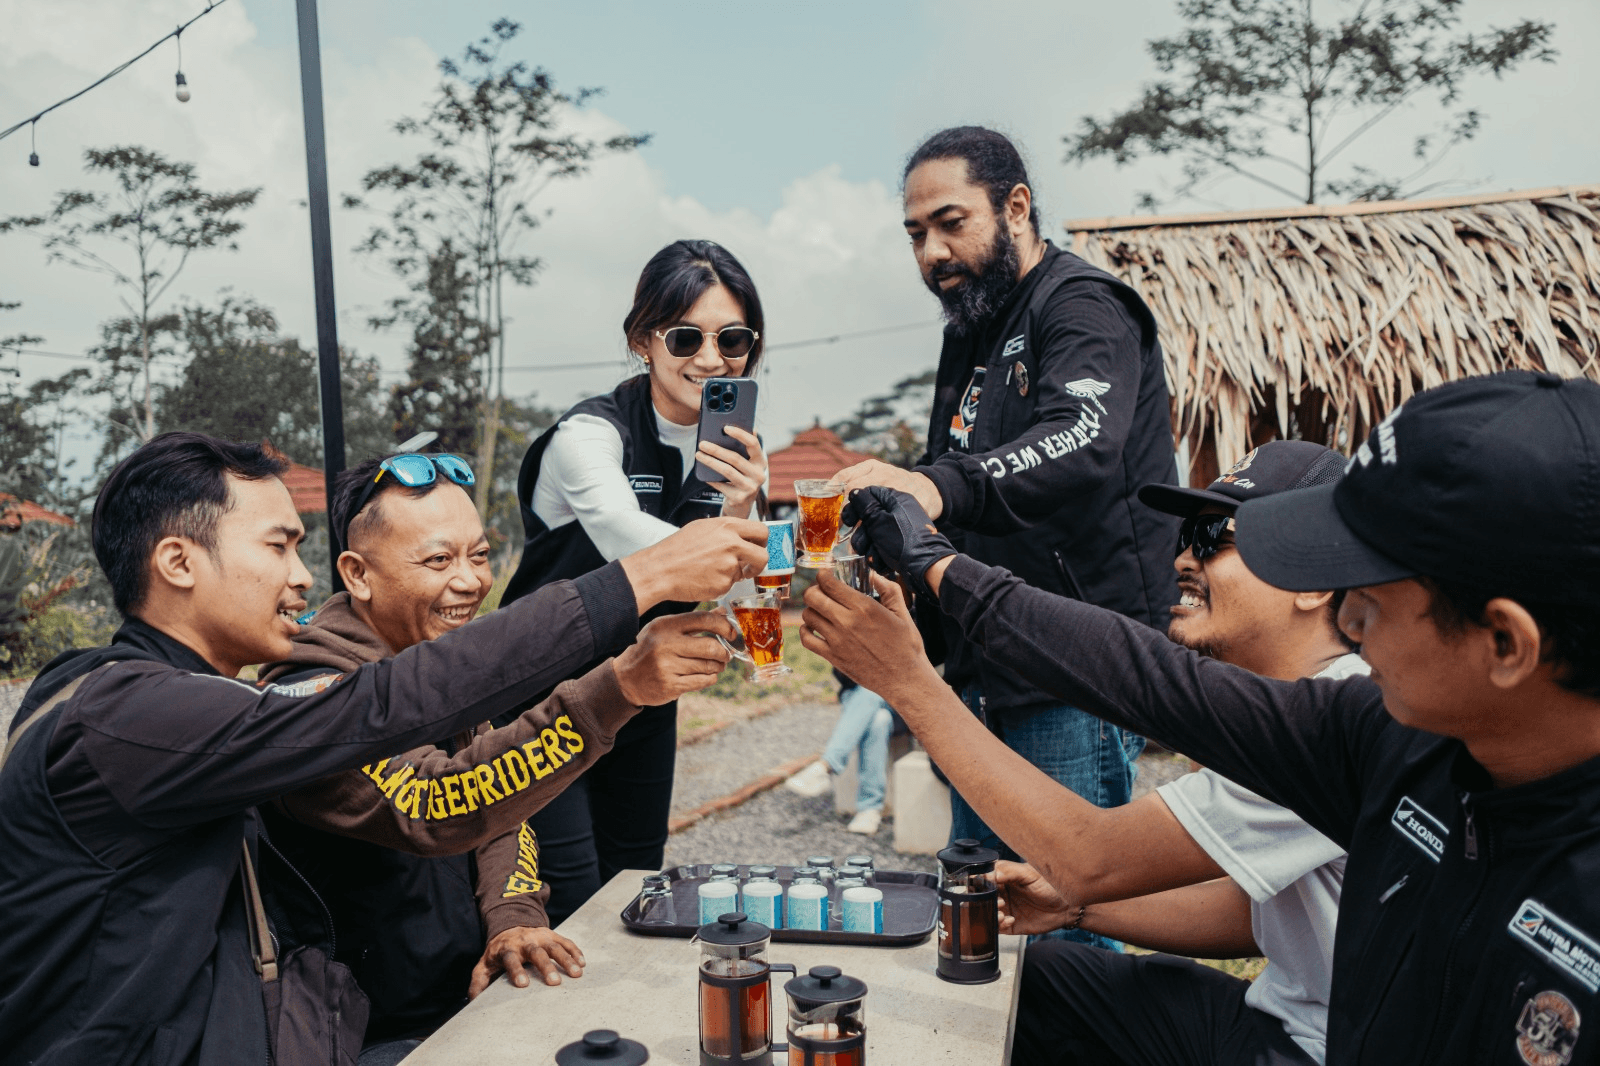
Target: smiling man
1050, 410
132, 771
1463, 778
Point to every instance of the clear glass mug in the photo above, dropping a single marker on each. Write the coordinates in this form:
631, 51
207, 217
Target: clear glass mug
821, 503
759, 619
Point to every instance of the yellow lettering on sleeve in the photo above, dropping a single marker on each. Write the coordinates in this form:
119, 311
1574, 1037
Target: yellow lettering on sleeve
517, 770
486, 785
563, 726
469, 789
535, 755
552, 747
452, 794
436, 809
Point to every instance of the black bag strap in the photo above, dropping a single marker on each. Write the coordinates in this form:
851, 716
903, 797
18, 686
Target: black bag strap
262, 950
66, 692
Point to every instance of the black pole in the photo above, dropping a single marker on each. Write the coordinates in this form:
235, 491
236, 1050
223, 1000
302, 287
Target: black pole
321, 264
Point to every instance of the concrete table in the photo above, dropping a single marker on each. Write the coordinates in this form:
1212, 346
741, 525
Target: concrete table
646, 989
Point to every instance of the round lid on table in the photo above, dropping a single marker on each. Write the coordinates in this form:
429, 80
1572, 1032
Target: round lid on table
824, 984
967, 853
603, 1047
732, 930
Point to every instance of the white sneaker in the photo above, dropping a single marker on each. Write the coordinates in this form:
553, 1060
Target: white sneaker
865, 822
811, 782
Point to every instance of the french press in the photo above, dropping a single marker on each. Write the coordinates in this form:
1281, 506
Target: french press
735, 992
827, 1019
969, 914
602, 1047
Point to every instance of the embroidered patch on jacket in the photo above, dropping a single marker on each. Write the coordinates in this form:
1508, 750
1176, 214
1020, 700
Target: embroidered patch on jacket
1421, 828
966, 415
1022, 378
1561, 943
1014, 345
309, 687
645, 483
1547, 1030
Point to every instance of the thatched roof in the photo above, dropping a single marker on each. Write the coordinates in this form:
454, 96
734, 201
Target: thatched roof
1315, 321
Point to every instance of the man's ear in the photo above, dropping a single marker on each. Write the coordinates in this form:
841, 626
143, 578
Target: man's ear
174, 561
356, 574
1516, 644
1312, 601
1018, 205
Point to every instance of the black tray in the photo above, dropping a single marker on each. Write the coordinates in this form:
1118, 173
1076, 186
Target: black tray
910, 908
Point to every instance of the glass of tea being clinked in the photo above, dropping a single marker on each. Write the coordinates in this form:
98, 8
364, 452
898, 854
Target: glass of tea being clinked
821, 502
760, 622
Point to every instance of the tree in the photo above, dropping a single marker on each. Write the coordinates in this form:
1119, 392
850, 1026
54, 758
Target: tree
1264, 90
495, 143
32, 422
890, 427
140, 235
443, 389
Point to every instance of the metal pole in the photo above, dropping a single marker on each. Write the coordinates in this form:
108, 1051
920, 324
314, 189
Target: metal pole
321, 264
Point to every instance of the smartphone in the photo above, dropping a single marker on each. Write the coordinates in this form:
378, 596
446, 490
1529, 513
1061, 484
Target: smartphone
725, 402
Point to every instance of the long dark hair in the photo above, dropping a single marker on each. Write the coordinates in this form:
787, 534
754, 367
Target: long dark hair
680, 274
992, 162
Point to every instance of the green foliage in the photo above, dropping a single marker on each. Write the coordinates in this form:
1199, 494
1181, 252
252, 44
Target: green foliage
38, 571
443, 390
891, 427
1265, 90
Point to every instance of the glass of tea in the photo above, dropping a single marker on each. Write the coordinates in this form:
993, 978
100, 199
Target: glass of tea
780, 557
821, 503
760, 622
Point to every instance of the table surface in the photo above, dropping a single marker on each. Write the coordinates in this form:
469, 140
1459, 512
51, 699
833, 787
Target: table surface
645, 989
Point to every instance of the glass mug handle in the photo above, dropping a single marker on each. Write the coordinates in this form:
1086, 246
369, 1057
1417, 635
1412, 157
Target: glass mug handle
742, 656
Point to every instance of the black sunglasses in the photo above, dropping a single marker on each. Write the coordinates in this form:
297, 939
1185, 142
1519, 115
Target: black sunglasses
1204, 533
734, 342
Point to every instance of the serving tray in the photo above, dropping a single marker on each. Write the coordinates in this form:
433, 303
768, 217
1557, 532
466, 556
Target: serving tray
910, 908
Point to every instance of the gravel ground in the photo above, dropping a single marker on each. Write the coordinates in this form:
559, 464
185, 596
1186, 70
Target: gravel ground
783, 828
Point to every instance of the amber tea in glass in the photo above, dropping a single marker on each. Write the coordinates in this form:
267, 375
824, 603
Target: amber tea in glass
821, 503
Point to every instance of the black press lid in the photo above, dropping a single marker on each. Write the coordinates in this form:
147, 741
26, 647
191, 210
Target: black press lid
734, 928
965, 853
824, 984
603, 1047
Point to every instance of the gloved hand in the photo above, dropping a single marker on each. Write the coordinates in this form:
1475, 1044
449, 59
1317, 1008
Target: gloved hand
896, 534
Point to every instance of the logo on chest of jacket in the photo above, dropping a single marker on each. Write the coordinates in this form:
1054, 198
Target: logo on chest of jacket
1562, 944
1014, 345
1421, 828
640, 483
1547, 1030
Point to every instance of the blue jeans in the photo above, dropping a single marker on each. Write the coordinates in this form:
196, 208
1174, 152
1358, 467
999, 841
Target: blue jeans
1093, 758
865, 722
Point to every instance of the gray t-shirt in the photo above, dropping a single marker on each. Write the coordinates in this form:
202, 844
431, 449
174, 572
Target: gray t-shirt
1293, 875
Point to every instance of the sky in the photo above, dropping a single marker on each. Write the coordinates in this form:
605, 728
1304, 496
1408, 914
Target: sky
778, 130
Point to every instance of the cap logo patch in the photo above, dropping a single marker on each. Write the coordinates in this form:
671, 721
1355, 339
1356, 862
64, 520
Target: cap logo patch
1562, 944
1386, 447
1421, 828
1231, 476
1547, 1030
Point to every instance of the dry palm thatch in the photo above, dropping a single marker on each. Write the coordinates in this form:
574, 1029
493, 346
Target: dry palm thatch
1315, 321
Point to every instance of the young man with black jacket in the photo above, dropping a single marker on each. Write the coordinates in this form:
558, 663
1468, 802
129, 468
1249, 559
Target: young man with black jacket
132, 772
1050, 410
1463, 778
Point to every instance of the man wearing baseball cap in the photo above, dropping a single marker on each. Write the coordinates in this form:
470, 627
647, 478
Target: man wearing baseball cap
1462, 778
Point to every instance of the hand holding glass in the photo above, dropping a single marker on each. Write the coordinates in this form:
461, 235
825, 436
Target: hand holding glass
760, 623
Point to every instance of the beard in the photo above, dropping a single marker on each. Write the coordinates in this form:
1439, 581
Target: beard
969, 303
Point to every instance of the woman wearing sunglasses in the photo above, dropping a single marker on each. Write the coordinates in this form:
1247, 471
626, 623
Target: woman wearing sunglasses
614, 475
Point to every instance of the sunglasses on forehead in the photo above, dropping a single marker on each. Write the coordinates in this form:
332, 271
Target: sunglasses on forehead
413, 470
1204, 533
734, 342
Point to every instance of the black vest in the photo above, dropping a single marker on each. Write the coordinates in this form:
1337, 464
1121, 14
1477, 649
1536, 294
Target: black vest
143, 963
654, 468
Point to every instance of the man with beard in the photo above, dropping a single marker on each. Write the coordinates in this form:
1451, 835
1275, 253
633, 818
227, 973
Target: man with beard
1050, 409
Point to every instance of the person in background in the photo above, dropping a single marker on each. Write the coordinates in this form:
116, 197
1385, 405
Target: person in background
616, 474
865, 723
1201, 866
1050, 410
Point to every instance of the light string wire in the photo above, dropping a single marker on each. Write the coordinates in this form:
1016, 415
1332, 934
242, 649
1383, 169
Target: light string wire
211, 5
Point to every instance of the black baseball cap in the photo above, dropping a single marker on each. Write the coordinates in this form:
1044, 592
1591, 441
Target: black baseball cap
1491, 482
1276, 466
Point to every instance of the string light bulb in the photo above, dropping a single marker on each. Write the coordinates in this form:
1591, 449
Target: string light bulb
183, 88
33, 143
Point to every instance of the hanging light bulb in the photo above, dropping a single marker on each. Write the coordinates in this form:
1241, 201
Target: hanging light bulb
183, 88
33, 145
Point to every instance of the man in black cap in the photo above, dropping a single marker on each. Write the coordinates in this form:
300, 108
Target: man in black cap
1462, 778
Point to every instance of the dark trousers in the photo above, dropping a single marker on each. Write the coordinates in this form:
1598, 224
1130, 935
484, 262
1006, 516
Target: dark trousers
1084, 1006
612, 818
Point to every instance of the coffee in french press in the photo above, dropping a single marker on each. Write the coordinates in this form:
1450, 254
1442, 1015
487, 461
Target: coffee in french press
736, 992
827, 1019
969, 914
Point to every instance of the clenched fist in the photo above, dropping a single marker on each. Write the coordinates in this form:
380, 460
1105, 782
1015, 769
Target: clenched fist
699, 562
674, 655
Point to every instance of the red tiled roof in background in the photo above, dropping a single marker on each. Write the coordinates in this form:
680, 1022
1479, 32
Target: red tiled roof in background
816, 452
304, 483
14, 512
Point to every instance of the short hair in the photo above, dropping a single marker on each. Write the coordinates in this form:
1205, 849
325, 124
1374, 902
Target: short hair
348, 485
677, 276
176, 485
992, 162
1572, 631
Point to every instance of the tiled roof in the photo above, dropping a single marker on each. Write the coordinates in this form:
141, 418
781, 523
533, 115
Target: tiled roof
816, 452
14, 512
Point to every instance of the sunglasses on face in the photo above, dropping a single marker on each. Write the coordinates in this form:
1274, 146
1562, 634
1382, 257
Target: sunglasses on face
413, 471
1204, 533
734, 342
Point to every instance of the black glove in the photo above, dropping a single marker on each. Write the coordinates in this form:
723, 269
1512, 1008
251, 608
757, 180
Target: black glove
896, 534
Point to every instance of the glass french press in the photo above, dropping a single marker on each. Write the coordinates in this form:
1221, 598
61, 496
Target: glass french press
827, 1019
736, 992
969, 914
